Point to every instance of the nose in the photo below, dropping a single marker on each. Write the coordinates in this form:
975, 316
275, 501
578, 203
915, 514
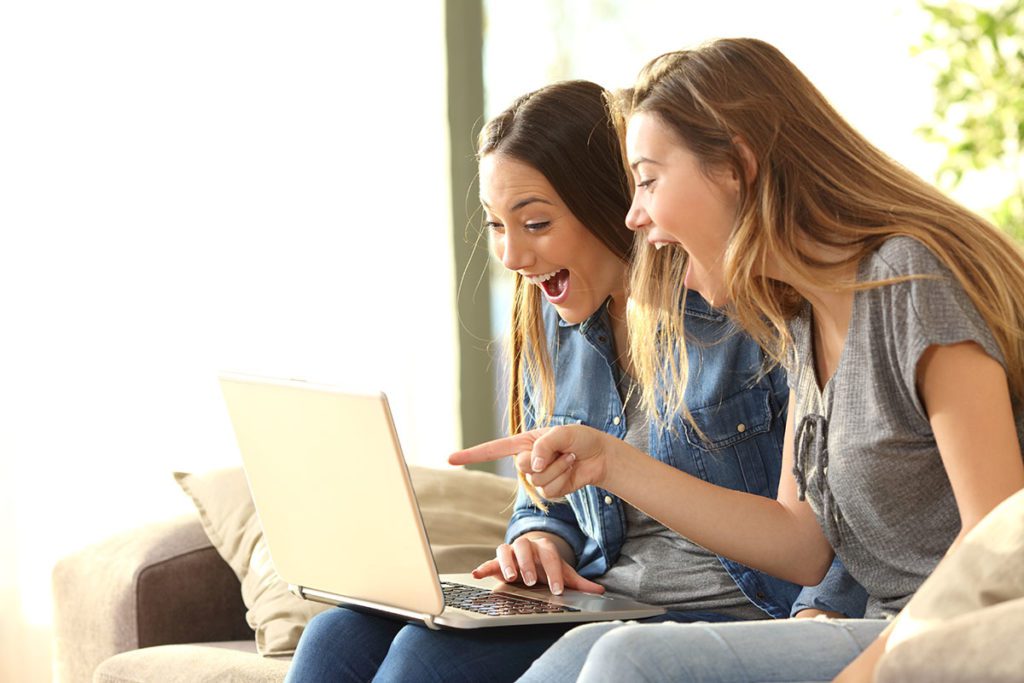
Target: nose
637, 218
514, 252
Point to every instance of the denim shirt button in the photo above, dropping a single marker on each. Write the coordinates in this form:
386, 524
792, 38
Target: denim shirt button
608, 500
616, 420
760, 595
741, 428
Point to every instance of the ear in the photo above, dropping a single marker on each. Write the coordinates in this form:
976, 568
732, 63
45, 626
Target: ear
747, 158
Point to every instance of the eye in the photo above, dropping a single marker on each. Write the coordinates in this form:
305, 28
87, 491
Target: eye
645, 183
536, 227
494, 226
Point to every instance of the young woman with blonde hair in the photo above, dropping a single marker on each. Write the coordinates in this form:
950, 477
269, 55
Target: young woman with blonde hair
555, 196
899, 316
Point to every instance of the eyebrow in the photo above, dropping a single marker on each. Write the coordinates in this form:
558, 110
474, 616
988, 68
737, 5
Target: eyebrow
643, 160
521, 203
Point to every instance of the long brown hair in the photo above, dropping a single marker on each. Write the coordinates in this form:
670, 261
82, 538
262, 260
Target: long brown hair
816, 178
565, 132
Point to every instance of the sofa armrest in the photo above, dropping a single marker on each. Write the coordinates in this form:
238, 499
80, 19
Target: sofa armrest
160, 584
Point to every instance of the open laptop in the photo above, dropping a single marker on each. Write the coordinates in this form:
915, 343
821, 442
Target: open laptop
342, 524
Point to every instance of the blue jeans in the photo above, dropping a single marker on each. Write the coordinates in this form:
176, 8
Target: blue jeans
345, 645
790, 650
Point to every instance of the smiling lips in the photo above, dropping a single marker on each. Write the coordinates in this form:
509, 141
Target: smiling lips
555, 284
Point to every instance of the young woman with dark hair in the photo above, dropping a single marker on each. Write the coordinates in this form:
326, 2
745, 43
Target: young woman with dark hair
555, 196
899, 316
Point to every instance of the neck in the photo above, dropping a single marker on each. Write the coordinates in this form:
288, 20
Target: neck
832, 308
827, 301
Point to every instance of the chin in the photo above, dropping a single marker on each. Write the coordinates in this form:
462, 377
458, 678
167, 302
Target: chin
574, 316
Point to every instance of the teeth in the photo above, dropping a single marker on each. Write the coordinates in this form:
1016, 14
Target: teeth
539, 279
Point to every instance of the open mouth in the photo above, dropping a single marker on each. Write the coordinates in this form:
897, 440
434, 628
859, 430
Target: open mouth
554, 284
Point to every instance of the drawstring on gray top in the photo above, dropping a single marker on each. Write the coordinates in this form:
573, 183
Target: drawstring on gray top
811, 448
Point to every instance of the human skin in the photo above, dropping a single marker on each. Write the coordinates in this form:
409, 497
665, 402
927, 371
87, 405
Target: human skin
964, 391
534, 234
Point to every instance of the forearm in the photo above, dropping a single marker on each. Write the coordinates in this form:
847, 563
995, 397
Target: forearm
756, 531
862, 668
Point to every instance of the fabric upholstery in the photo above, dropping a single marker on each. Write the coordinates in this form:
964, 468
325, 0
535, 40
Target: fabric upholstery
465, 514
172, 611
100, 611
965, 621
196, 663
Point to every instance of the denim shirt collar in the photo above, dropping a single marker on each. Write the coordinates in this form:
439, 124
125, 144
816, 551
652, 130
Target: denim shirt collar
594, 317
696, 305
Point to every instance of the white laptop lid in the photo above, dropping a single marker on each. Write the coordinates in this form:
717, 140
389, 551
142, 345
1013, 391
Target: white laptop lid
332, 491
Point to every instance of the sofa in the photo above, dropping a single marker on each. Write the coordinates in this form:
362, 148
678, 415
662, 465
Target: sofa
193, 599
189, 599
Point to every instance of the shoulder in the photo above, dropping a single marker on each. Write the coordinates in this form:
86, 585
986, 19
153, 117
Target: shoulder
899, 256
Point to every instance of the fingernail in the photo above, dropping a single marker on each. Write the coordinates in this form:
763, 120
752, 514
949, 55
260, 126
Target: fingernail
556, 588
537, 464
509, 574
529, 578
571, 458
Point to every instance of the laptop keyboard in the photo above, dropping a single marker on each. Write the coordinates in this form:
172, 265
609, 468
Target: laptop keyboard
495, 604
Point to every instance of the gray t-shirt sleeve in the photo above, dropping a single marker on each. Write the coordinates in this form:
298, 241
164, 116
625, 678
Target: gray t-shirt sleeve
931, 309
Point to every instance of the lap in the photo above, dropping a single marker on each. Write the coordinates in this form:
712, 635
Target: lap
764, 651
346, 645
564, 660
342, 645
492, 654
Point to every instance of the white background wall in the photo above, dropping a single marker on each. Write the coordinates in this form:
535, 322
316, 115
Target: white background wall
857, 53
188, 187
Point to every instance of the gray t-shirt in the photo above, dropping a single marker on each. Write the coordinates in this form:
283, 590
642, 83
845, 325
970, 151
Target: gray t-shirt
660, 567
864, 451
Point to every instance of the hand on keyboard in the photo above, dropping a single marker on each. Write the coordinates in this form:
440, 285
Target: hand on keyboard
537, 557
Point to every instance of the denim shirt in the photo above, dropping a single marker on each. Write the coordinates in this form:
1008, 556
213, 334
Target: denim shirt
739, 409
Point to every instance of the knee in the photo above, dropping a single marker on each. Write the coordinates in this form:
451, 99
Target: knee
652, 652
417, 654
579, 640
616, 653
329, 626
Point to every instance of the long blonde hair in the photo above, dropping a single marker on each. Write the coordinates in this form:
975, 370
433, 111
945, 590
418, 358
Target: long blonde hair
564, 131
816, 178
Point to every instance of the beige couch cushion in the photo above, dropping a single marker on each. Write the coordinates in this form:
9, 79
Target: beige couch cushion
965, 621
465, 514
199, 663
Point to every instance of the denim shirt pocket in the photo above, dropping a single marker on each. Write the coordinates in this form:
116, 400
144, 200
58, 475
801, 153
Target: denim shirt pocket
576, 499
562, 420
739, 444
593, 561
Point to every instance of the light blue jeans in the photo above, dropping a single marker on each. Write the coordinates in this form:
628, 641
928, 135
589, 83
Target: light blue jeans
787, 650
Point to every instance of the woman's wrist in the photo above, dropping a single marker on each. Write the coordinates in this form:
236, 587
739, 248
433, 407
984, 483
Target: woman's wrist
620, 462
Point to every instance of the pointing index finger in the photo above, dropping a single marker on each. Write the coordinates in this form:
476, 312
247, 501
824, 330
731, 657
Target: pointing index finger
494, 450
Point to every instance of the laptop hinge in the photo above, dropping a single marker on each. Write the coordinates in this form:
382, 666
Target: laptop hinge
343, 601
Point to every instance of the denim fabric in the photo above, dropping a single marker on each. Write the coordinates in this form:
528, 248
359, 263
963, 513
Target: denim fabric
739, 409
342, 645
790, 651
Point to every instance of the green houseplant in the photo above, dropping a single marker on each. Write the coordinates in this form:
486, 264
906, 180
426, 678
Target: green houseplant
979, 107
